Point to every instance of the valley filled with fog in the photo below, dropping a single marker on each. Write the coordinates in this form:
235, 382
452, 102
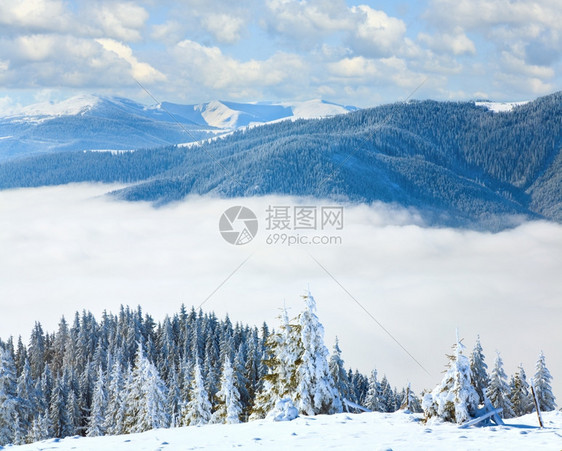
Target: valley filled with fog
69, 248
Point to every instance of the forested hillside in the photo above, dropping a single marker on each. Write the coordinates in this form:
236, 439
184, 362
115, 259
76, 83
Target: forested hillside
125, 374
459, 163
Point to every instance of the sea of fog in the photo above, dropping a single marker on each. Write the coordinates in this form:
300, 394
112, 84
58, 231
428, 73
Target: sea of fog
70, 248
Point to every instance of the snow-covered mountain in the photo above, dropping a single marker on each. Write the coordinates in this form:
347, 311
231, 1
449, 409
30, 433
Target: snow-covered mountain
459, 163
90, 122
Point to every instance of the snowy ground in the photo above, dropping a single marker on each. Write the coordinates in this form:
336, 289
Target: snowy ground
369, 431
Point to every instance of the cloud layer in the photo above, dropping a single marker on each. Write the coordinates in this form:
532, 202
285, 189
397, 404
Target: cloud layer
348, 52
68, 248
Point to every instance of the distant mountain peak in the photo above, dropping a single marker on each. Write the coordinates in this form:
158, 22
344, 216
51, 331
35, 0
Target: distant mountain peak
217, 114
89, 121
42, 111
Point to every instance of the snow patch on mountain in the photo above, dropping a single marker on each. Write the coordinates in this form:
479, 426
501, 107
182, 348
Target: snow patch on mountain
39, 112
500, 107
314, 109
217, 114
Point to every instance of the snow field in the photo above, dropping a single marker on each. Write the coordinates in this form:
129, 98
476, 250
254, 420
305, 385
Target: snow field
366, 431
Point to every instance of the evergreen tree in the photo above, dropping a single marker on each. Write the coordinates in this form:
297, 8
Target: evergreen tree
386, 397
541, 383
478, 367
8, 397
241, 382
115, 415
454, 399
198, 410
498, 389
58, 413
360, 386
27, 397
96, 422
146, 397
520, 395
40, 428
339, 375
73, 408
229, 407
37, 351
283, 350
372, 400
410, 401
174, 398
316, 392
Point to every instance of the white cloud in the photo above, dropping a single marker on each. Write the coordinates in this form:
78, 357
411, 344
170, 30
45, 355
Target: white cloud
355, 67
142, 72
213, 69
521, 40
225, 28
375, 33
169, 32
473, 14
66, 248
342, 50
517, 65
367, 71
457, 42
307, 19
120, 20
7, 104
46, 61
34, 15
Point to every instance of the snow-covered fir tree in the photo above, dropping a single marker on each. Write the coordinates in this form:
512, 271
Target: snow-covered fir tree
27, 397
58, 414
387, 398
40, 428
229, 408
115, 416
8, 397
339, 375
498, 390
454, 399
96, 422
541, 384
58, 383
360, 386
146, 397
520, 395
478, 367
373, 398
198, 410
410, 401
316, 392
283, 349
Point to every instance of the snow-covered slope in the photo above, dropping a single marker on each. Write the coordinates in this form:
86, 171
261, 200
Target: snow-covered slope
49, 110
314, 109
500, 107
89, 122
367, 431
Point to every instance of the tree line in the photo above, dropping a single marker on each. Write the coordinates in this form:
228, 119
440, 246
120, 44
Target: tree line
126, 373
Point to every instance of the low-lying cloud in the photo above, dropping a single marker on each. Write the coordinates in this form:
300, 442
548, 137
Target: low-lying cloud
70, 248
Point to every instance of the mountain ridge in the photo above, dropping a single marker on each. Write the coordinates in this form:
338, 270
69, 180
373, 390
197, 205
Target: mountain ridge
92, 122
459, 163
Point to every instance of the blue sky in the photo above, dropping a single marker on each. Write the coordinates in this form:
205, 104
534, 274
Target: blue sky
350, 52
